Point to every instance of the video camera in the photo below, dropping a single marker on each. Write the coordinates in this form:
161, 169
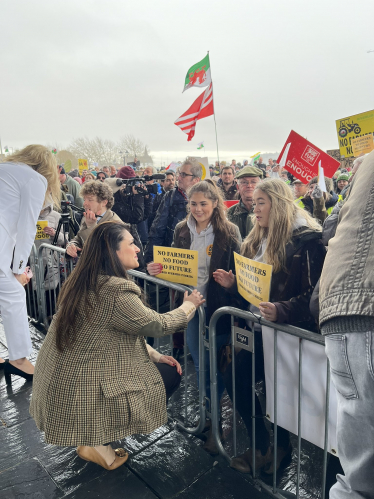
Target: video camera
139, 183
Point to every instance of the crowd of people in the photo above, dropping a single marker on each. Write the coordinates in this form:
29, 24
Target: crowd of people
320, 246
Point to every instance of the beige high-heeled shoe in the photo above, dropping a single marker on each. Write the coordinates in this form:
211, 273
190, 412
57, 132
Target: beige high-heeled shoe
91, 454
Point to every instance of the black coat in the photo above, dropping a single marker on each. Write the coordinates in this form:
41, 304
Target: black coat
221, 259
173, 209
291, 288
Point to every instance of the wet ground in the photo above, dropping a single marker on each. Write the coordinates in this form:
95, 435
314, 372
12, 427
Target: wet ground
166, 464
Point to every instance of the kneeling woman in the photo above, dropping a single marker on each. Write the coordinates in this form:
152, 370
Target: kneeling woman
289, 239
207, 230
94, 380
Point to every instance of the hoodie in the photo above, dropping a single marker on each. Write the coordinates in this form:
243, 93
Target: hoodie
203, 243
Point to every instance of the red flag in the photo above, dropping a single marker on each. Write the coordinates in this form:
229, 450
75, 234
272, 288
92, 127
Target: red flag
201, 108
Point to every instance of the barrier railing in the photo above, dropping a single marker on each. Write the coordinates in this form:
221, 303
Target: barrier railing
246, 337
53, 268
32, 296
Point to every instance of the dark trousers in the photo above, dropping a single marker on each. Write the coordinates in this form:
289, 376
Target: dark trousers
170, 377
243, 382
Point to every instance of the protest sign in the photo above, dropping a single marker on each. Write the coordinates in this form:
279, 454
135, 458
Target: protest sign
203, 162
362, 145
352, 127
301, 158
82, 165
313, 388
321, 178
253, 279
39, 230
67, 165
178, 265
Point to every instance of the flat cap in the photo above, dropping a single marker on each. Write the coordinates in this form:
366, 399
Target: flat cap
249, 171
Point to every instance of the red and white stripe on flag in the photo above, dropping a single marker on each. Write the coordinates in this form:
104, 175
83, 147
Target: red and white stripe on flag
201, 108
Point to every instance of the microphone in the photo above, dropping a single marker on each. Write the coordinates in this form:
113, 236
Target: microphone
158, 176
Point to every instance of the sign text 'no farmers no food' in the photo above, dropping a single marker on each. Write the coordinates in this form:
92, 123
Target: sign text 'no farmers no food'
178, 265
253, 279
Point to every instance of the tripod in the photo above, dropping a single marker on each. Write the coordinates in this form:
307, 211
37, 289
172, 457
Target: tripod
66, 222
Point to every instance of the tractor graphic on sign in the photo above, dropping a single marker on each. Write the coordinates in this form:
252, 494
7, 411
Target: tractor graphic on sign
197, 77
346, 127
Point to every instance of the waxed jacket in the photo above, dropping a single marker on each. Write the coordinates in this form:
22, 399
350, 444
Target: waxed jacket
216, 296
173, 209
231, 193
241, 217
347, 281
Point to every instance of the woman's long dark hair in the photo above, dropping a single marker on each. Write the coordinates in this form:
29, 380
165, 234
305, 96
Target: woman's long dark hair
99, 257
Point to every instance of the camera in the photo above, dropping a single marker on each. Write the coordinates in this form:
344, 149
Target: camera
139, 183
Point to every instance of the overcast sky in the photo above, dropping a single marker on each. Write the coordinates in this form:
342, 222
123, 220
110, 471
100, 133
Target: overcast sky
106, 68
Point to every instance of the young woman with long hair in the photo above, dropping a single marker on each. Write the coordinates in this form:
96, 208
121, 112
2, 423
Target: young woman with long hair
207, 230
288, 238
28, 181
94, 381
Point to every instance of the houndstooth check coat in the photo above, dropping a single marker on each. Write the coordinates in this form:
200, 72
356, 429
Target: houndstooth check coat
105, 387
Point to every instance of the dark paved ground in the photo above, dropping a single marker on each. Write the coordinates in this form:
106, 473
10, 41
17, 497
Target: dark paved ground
166, 464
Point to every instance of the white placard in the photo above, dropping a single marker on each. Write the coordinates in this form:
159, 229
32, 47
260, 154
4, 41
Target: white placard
313, 387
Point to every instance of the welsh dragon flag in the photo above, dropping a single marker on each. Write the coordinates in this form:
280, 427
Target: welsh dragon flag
198, 75
201, 108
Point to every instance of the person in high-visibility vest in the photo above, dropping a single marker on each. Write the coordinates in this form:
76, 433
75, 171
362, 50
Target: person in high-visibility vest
300, 191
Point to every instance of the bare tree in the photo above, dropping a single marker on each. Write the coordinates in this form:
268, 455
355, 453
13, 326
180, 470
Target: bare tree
97, 150
133, 145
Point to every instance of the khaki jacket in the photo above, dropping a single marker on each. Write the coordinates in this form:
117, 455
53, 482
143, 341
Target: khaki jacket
347, 280
85, 231
105, 386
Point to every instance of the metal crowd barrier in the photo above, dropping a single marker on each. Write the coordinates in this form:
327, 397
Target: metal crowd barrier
52, 268
303, 335
32, 295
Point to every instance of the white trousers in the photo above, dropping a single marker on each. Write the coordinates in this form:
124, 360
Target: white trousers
14, 315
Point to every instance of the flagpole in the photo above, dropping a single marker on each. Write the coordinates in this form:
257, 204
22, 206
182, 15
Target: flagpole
214, 111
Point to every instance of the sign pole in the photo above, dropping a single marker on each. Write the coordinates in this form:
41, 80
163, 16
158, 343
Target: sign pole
214, 113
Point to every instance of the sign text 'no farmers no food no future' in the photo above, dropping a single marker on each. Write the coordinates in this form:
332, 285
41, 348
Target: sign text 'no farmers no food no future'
253, 279
178, 265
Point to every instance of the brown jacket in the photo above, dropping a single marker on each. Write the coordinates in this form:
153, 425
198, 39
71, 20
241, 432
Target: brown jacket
347, 280
105, 387
85, 231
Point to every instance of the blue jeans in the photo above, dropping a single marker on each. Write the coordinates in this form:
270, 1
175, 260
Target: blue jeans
193, 346
351, 358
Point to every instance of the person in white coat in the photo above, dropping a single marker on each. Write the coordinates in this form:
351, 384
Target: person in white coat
28, 181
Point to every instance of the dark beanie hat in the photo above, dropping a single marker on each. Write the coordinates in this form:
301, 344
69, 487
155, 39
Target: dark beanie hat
126, 172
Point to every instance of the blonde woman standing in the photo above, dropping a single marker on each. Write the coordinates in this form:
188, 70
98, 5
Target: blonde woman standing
289, 239
28, 181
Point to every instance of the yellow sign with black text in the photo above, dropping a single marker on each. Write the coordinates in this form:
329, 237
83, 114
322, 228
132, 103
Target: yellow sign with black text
362, 145
40, 234
82, 165
253, 279
178, 265
352, 127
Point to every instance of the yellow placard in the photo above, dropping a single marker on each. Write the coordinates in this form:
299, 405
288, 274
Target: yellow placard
40, 234
362, 145
352, 127
178, 265
82, 165
253, 279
